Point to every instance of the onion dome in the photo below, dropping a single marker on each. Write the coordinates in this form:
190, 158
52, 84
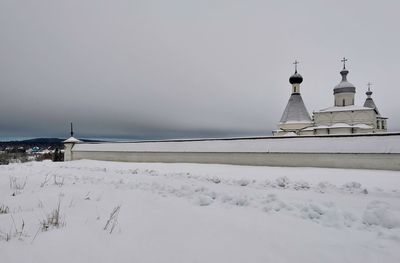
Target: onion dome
296, 78
344, 85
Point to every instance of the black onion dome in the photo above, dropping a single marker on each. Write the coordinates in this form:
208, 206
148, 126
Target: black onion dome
296, 78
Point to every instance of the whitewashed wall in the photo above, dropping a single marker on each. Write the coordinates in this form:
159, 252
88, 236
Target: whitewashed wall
349, 117
367, 152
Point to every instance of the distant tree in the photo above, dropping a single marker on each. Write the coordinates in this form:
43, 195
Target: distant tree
4, 159
57, 156
45, 156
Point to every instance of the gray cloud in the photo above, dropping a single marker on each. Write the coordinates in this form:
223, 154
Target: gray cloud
158, 69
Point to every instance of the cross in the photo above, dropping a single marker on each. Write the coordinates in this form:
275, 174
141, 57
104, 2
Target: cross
369, 86
295, 65
344, 62
72, 130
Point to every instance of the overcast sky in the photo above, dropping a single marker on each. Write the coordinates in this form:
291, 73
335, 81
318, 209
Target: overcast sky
167, 69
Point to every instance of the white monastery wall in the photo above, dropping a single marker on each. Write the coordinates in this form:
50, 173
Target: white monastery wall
352, 161
384, 143
368, 151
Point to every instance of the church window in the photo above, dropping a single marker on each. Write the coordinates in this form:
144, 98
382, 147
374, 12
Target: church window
344, 102
378, 124
383, 125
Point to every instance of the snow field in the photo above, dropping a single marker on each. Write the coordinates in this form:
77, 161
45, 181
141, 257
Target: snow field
197, 213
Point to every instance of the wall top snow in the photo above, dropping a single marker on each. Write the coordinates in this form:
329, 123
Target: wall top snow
371, 143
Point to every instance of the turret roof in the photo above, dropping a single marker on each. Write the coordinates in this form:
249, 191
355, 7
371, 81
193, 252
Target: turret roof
72, 140
295, 111
369, 102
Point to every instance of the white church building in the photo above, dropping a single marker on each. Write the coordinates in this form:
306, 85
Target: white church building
342, 118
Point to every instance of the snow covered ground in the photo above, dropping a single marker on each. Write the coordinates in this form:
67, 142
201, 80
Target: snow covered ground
196, 213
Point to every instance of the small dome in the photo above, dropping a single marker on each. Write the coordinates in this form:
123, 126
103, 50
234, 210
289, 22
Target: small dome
344, 85
296, 78
344, 72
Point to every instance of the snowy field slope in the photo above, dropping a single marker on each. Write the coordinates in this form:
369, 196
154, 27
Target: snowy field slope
197, 213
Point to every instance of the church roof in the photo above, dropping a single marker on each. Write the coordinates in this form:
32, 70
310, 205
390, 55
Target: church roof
345, 108
295, 111
369, 103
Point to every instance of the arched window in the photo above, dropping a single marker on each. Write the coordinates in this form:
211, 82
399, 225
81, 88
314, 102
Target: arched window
344, 102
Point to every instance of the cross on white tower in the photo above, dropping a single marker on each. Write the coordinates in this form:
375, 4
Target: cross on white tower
72, 130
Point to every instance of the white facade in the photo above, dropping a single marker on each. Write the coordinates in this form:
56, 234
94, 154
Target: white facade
345, 120
344, 99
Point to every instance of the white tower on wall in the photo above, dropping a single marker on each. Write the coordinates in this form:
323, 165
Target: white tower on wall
68, 144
